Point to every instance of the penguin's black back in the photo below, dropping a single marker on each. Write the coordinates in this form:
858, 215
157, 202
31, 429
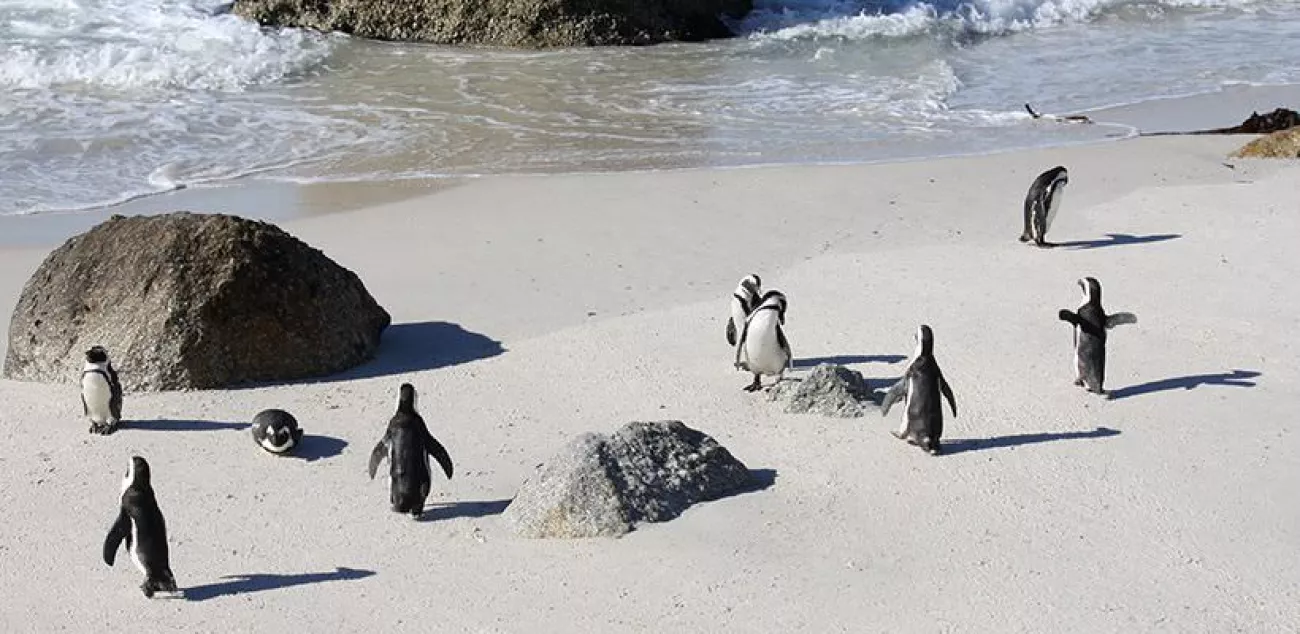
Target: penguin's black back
139, 503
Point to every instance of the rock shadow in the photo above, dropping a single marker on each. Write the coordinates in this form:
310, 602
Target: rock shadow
1118, 239
244, 584
314, 447
1001, 442
164, 424
1236, 378
453, 510
759, 480
813, 362
411, 347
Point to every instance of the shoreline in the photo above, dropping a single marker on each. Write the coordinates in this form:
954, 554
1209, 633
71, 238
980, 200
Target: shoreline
249, 195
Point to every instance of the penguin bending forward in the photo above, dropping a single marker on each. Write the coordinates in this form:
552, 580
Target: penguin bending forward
743, 302
408, 444
1090, 325
140, 524
1041, 204
101, 392
763, 348
920, 388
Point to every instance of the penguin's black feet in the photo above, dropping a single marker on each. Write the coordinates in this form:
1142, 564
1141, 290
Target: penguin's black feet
147, 589
1078, 382
1024, 237
415, 515
1045, 245
756, 385
896, 435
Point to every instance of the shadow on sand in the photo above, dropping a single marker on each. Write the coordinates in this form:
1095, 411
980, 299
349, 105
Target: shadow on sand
453, 510
244, 584
412, 347
1118, 239
813, 362
314, 447
1236, 378
164, 424
1002, 442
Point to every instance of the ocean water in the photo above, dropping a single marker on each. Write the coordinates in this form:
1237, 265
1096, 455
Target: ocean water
105, 100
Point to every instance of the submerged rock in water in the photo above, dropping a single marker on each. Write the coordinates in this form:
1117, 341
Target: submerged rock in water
191, 301
523, 23
1284, 144
829, 390
602, 485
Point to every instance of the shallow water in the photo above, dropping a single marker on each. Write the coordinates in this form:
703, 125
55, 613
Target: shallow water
105, 100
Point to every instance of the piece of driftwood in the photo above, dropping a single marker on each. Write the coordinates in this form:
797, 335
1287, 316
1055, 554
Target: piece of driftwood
1070, 118
1279, 119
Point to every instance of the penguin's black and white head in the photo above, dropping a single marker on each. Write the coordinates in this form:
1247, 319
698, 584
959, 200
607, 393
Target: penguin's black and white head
137, 474
1091, 289
775, 300
748, 290
97, 354
924, 342
406, 400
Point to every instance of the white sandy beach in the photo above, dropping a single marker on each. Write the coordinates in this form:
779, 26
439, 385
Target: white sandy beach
1170, 508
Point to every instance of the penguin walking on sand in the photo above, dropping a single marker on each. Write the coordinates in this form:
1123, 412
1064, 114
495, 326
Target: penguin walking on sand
1041, 204
101, 392
920, 388
276, 431
408, 444
763, 348
140, 524
1090, 325
743, 302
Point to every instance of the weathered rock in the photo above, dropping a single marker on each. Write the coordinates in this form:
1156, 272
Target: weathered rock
1284, 144
191, 301
603, 485
829, 390
523, 23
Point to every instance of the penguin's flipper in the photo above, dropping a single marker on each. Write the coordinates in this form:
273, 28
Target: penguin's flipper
744, 334
1120, 319
897, 391
377, 455
121, 530
947, 393
785, 346
438, 452
85, 409
1068, 315
731, 331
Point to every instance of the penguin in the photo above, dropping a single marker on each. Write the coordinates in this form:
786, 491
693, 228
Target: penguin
763, 348
920, 388
140, 524
1090, 325
276, 431
101, 392
1041, 204
743, 302
408, 444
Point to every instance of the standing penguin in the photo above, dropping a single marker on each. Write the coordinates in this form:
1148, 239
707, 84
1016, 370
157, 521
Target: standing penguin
101, 393
920, 388
743, 302
763, 348
408, 444
1090, 325
141, 525
1041, 204
276, 431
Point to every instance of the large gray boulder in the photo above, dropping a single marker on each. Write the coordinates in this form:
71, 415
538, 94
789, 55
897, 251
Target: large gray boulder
829, 390
603, 485
521, 23
191, 301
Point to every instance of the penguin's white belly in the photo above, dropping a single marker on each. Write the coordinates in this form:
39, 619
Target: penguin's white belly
96, 392
135, 548
762, 349
1053, 205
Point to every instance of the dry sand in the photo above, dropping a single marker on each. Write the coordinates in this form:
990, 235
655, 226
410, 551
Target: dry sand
531, 309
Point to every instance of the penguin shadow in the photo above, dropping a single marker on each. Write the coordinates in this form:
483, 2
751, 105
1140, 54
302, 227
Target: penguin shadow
812, 362
244, 584
1118, 239
417, 346
453, 510
1236, 378
314, 447
166, 424
1017, 440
